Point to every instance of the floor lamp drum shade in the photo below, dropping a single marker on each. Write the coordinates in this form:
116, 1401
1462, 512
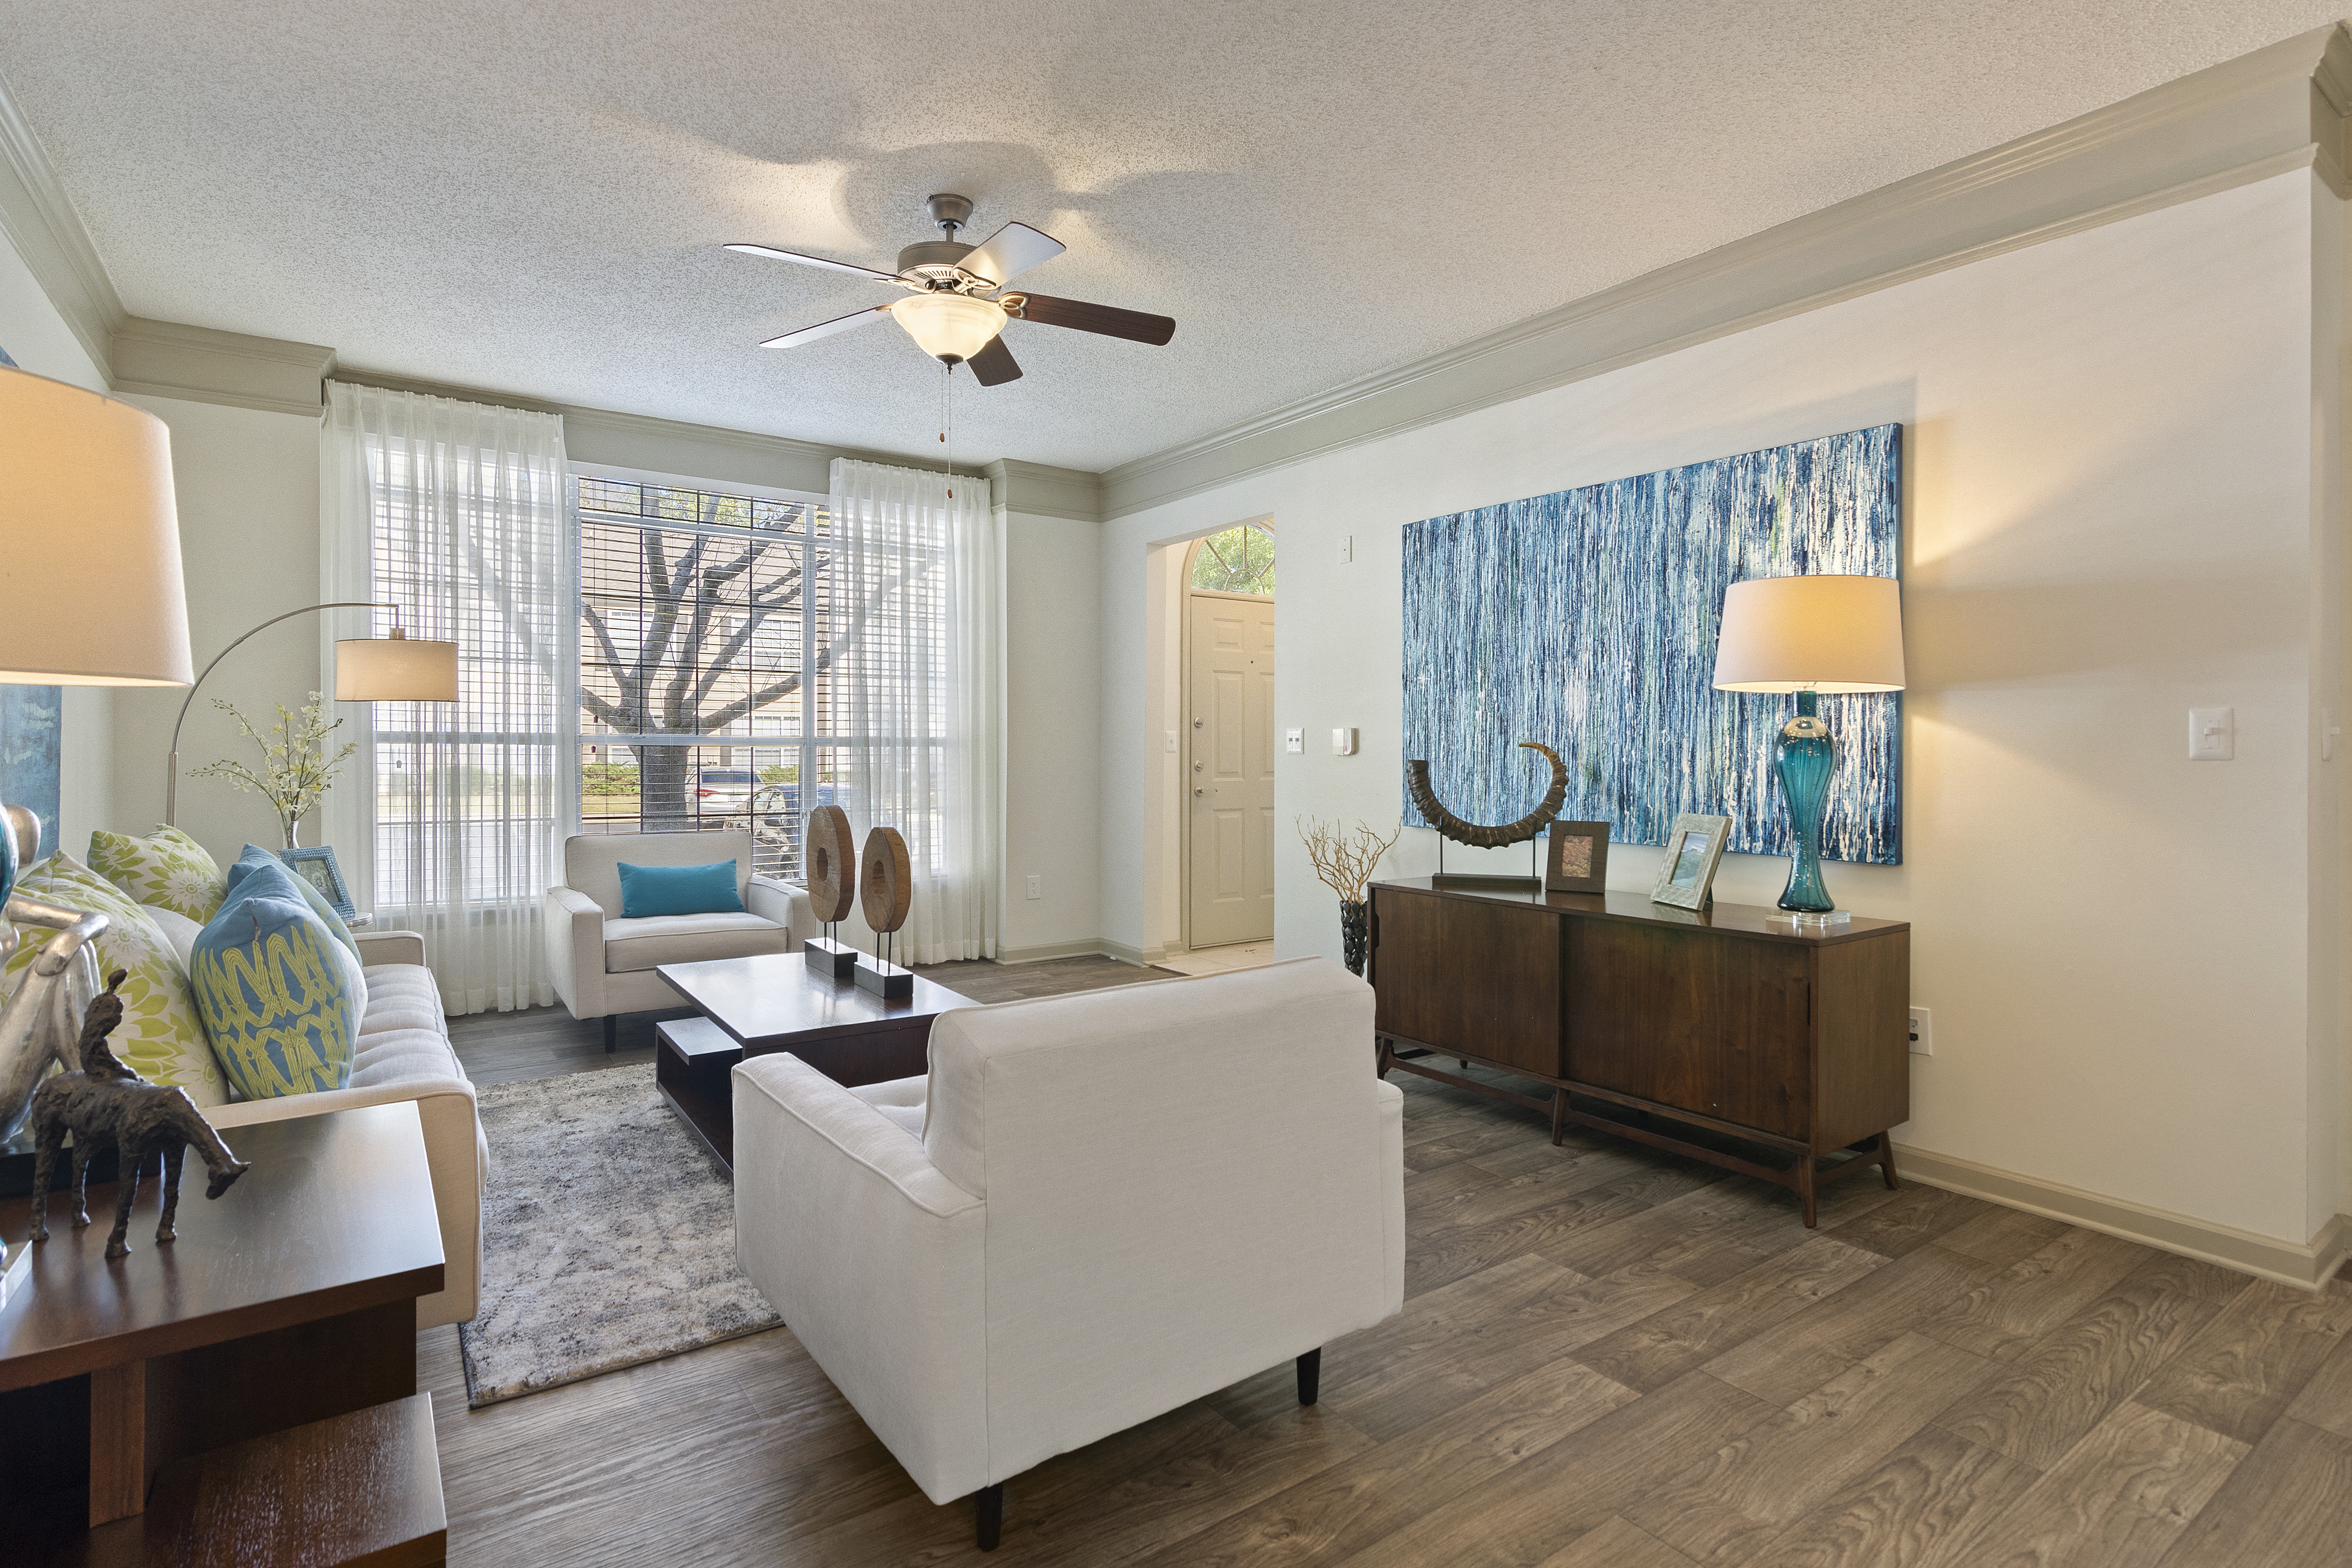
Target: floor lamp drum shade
89, 541
1830, 633
396, 669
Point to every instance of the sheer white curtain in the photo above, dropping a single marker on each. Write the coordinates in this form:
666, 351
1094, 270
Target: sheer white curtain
453, 819
905, 716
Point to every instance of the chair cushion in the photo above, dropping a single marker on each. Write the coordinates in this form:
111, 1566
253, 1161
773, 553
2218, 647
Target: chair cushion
707, 889
400, 996
404, 1055
637, 944
899, 1099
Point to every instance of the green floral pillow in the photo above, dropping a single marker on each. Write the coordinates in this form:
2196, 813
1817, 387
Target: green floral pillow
162, 1035
168, 869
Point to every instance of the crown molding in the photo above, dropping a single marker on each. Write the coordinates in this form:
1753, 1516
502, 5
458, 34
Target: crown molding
1043, 490
203, 364
2269, 112
41, 222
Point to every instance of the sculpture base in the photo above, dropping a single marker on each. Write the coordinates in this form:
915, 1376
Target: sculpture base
1488, 884
885, 979
833, 959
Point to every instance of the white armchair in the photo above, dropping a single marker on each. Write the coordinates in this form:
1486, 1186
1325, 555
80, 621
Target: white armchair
605, 965
1096, 1208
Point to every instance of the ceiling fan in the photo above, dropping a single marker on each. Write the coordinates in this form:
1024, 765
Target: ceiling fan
958, 303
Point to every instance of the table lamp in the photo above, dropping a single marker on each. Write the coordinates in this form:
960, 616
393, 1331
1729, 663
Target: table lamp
1810, 635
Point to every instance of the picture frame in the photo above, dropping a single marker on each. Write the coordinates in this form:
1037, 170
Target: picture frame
1576, 857
1694, 849
316, 865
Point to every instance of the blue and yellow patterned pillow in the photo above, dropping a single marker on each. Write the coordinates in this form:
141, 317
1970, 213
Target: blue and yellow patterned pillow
273, 995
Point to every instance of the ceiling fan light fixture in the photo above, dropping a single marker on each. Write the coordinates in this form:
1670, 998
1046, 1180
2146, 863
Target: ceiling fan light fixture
948, 326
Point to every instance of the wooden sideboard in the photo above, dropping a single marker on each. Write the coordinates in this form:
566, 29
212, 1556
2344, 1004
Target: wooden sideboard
1722, 1034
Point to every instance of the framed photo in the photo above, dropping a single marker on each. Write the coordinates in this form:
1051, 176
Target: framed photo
1692, 848
1579, 859
317, 866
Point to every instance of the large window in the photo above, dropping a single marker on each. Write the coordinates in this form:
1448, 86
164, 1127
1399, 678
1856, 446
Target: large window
710, 624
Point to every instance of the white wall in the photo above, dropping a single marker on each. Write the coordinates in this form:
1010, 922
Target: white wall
2110, 518
1052, 740
249, 492
36, 337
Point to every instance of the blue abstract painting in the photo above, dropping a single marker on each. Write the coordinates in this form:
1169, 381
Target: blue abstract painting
1586, 619
29, 730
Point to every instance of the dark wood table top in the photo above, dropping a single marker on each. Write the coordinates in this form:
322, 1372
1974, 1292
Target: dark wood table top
336, 1214
1742, 919
776, 996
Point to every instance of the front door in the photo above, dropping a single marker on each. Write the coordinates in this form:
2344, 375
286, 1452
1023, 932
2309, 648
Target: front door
1230, 770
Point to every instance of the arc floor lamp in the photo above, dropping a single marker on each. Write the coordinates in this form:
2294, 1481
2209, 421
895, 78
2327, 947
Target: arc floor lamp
395, 669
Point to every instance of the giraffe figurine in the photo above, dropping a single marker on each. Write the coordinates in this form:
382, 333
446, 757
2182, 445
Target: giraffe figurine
106, 1103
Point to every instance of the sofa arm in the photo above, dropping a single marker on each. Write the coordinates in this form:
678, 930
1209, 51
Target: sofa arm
874, 1257
785, 905
390, 947
575, 950
453, 1152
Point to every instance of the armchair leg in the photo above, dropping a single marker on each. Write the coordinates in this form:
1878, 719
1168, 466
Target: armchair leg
988, 1514
1310, 1375
612, 1031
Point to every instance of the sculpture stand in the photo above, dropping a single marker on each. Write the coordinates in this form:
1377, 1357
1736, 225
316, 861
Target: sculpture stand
1531, 883
885, 979
833, 959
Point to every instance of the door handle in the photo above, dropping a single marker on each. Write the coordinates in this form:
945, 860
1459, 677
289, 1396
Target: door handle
1199, 792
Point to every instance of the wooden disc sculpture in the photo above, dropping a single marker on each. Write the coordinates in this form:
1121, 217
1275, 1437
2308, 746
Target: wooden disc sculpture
831, 861
1416, 781
888, 879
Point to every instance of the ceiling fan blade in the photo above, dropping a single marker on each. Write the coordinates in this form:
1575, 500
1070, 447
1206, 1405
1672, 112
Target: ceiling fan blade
1011, 251
1109, 319
831, 266
994, 365
825, 329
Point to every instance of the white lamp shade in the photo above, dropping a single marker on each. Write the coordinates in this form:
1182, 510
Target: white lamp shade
953, 327
396, 669
90, 593
1829, 633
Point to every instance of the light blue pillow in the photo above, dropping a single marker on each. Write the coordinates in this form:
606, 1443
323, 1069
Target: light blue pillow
284, 880
679, 891
273, 995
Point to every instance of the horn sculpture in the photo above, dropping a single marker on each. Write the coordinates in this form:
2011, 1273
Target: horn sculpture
1416, 779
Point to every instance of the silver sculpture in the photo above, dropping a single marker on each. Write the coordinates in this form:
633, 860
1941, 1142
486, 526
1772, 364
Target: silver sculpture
41, 1024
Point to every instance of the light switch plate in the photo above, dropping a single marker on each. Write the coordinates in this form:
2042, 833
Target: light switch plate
1347, 548
2212, 734
1343, 743
1293, 740
1923, 1032
1036, 886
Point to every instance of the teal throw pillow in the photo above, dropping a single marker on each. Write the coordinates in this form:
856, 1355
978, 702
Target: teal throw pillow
679, 891
255, 861
273, 995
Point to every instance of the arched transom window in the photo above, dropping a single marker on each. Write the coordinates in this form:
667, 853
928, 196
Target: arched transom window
1238, 561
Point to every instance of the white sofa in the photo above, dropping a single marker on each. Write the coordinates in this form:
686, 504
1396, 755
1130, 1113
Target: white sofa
404, 1054
605, 965
1096, 1208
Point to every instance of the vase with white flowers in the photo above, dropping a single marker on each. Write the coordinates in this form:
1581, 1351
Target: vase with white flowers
296, 768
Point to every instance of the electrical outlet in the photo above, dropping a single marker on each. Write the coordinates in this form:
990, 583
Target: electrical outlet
1036, 886
1923, 1032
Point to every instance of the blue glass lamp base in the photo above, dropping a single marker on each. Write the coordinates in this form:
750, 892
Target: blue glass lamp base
1807, 758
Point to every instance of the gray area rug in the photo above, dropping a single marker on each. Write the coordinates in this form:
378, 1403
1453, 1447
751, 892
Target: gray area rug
608, 1237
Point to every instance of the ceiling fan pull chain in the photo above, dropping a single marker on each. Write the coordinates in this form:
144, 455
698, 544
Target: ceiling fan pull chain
947, 422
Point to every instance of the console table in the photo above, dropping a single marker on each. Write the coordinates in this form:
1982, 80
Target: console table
247, 1393
1725, 1034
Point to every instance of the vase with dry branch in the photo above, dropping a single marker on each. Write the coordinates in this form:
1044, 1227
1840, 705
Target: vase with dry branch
1344, 858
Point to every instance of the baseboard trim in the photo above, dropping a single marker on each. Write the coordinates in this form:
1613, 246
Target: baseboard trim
2307, 1266
1084, 948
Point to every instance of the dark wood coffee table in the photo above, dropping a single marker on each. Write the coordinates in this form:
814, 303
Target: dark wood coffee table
222, 1397
775, 1002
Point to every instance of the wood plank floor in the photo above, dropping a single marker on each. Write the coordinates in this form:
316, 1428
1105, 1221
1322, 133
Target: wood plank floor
1608, 1359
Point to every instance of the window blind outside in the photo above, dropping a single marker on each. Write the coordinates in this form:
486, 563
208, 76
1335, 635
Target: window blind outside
711, 628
